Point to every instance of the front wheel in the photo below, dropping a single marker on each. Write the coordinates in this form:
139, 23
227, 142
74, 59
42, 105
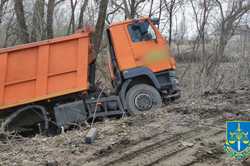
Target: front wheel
143, 97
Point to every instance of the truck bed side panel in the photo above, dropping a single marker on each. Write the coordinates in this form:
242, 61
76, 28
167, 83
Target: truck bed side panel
44, 71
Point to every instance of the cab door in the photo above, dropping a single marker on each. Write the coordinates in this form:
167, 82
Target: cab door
148, 47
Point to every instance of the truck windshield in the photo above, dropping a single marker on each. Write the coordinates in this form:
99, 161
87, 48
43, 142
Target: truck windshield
141, 31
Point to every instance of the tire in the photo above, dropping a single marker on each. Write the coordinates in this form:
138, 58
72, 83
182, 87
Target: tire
27, 119
143, 97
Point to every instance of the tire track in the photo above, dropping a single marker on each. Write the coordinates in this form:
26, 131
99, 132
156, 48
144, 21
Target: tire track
157, 153
153, 150
188, 157
157, 148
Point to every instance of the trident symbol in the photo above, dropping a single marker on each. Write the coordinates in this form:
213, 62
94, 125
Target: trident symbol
237, 137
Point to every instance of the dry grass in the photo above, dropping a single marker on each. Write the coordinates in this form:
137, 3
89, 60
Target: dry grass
227, 76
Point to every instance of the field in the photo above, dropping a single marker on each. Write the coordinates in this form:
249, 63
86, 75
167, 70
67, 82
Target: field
190, 131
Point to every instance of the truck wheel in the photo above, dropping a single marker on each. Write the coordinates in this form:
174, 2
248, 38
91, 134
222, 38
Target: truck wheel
143, 97
31, 119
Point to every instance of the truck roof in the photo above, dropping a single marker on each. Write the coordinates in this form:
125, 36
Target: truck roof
127, 21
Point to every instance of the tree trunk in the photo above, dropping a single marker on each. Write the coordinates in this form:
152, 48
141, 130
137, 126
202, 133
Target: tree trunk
160, 12
151, 8
132, 9
82, 10
22, 27
38, 21
171, 14
203, 28
229, 22
71, 28
224, 36
170, 24
97, 36
127, 14
50, 19
2, 5
8, 32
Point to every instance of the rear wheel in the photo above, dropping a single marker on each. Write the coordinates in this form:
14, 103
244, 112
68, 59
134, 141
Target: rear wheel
28, 120
143, 97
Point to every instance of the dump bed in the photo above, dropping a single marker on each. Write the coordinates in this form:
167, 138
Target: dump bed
44, 70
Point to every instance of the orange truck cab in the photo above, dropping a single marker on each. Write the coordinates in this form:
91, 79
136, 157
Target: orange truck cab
140, 55
51, 84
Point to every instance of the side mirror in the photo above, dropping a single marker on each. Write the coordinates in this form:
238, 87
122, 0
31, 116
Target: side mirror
155, 21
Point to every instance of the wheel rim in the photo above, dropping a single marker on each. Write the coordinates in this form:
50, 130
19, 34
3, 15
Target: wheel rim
143, 102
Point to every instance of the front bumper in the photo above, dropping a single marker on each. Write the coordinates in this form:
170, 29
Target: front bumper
169, 84
172, 96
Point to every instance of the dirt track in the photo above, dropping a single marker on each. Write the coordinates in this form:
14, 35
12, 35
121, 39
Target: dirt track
187, 132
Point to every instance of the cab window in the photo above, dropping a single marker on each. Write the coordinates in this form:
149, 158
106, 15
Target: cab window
141, 31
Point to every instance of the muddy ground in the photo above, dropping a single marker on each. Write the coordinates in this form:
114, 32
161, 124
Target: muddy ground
190, 131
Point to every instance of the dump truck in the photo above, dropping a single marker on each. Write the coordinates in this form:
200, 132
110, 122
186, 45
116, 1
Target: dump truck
52, 83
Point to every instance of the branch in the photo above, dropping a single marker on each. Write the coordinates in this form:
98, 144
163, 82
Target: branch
58, 2
221, 9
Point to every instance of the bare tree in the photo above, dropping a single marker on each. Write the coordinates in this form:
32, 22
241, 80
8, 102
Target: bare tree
151, 8
2, 7
181, 31
129, 7
201, 19
38, 21
10, 28
97, 36
171, 7
50, 15
22, 27
82, 10
230, 20
126, 9
71, 28
160, 11
114, 8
